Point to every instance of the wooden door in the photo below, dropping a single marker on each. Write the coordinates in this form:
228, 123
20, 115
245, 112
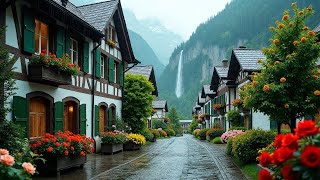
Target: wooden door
37, 118
102, 117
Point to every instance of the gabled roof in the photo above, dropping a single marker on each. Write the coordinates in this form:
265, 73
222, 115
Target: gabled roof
317, 29
160, 104
148, 72
72, 8
100, 14
201, 101
244, 59
219, 73
207, 92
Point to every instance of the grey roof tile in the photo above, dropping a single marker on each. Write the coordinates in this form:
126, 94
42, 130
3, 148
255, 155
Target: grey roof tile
317, 29
99, 14
200, 99
222, 71
248, 58
142, 70
160, 104
72, 8
207, 90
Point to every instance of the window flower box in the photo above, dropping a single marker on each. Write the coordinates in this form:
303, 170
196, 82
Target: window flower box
111, 148
111, 43
131, 146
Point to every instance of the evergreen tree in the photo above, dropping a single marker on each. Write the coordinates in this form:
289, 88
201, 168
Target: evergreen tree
288, 85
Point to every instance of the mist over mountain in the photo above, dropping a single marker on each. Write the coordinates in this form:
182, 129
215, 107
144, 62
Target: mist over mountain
242, 22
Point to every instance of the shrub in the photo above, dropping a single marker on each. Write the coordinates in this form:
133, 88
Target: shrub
229, 146
202, 134
225, 136
156, 133
196, 132
159, 124
136, 138
11, 136
216, 140
238, 128
170, 132
193, 126
234, 117
245, 146
163, 133
213, 133
148, 134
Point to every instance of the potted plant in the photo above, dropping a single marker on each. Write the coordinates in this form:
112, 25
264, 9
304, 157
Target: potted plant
112, 142
111, 43
134, 142
62, 151
49, 69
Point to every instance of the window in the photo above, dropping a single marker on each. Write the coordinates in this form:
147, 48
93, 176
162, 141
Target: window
74, 51
111, 34
102, 69
41, 36
115, 72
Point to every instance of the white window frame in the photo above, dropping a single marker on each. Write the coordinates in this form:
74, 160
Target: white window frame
41, 37
72, 50
102, 68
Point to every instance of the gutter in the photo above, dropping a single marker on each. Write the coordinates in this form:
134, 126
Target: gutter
134, 64
93, 85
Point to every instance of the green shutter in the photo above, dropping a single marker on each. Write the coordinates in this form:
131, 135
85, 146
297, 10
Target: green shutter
121, 74
60, 41
110, 118
28, 31
20, 112
67, 48
97, 120
58, 116
111, 70
83, 119
85, 67
98, 59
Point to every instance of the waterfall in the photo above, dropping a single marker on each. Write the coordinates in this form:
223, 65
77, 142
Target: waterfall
179, 77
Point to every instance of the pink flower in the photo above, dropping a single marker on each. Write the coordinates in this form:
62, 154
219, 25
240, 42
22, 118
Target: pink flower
7, 160
29, 168
4, 152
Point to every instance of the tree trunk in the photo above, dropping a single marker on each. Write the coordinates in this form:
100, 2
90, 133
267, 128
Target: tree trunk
292, 123
279, 128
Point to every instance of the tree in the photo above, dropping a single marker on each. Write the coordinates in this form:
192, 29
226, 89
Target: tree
6, 78
174, 120
288, 85
137, 101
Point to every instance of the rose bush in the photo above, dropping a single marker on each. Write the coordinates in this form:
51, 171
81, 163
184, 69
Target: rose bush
294, 156
225, 136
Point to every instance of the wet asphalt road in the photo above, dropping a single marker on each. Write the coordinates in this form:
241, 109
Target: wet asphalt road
174, 158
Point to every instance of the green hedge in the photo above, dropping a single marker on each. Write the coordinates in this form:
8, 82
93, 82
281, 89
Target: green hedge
148, 134
217, 140
213, 133
229, 146
170, 132
245, 146
203, 134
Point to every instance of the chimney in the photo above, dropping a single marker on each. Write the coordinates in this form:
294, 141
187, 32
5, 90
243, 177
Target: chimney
225, 63
242, 47
64, 2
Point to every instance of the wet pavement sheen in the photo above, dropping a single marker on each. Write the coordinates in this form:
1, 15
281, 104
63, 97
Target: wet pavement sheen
175, 158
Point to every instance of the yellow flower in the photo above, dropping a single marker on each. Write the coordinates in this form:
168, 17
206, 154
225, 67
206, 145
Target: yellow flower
276, 41
280, 26
295, 43
259, 60
316, 92
285, 17
306, 28
303, 39
286, 106
315, 77
293, 4
283, 79
276, 62
301, 12
266, 88
311, 33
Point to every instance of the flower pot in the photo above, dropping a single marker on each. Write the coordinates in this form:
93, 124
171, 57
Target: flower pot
130, 146
56, 164
48, 75
111, 148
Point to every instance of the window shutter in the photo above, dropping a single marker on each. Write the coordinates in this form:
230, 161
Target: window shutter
111, 70
28, 31
98, 57
83, 119
20, 112
121, 74
110, 118
60, 41
58, 116
67, 48
97, 120
273, 125
85, 57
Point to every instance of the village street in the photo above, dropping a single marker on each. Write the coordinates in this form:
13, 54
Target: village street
175, 158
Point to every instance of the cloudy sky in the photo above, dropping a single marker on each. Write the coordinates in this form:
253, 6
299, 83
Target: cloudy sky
180, 16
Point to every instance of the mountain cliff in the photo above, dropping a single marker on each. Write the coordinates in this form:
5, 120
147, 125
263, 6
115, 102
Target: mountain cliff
242, 22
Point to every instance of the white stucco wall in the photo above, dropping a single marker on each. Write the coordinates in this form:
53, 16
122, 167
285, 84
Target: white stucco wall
259, 120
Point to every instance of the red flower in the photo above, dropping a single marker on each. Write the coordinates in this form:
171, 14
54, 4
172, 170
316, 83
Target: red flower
278, 141
41, 54
34, 146
265, 175
288, 174
35, 151
57, 144
67, 55
290, 141
46, 61
311, 156
43, 50
92, 149
82, 153
88, 150
265, 159
49, 150
306, 128
45, 140
281, 155
39, 143
66, 152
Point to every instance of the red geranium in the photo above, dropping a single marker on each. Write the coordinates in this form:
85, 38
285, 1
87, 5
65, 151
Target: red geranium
278, 141
306, 128
311, 156
265, 159
290, 141
288, 174
49, 150
265, 175
281, 155
66, 152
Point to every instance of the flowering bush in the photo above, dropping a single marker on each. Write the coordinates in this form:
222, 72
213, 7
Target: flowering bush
202, 134
13, 169
295, 156
136, 138
63, 144
213, 133
148, 134
196, 132
217, 106
170, 132
237, 102
156, 133
63, 63
113, 137
225, 136
163, 133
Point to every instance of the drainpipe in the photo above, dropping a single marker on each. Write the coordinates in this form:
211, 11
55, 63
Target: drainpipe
93, 89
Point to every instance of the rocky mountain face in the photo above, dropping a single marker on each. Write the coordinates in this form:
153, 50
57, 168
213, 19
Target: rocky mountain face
242, 22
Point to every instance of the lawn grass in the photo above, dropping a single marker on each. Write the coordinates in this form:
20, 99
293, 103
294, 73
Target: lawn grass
249, 169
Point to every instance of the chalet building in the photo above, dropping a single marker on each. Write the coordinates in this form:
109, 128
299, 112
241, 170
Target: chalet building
219, 87
185, 125
244, 63
148, 72
161, 108
96, 39
207, 94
